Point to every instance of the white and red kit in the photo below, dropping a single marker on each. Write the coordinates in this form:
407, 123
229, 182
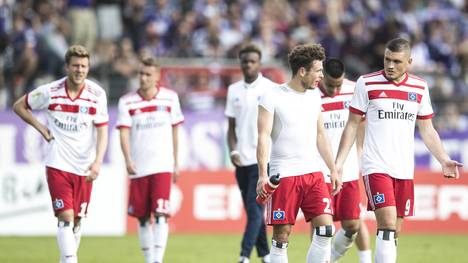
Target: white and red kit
71, 122
335, 113
293, 155
391, 111
150, 122
151, 147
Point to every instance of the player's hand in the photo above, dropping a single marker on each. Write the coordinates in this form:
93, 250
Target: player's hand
336, 182
131, 168
46, 133
235, 158
450, 169
175, 174
94, 169
262, 180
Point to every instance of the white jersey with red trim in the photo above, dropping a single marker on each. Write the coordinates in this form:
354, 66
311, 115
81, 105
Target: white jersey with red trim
335, 112
391, 111
150, 122
294, 131
71, 122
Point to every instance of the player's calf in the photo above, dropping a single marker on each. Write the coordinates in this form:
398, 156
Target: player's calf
66, 242
385, 247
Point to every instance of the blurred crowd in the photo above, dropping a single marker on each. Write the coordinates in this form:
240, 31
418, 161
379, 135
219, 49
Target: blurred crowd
34, 35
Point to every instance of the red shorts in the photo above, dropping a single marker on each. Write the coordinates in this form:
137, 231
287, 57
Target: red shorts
307, 192
68, 191
346, 204
150, 194
383, 190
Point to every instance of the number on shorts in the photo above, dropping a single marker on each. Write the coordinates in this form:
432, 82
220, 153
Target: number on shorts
163, 206
327, 208
408, 207
82, 212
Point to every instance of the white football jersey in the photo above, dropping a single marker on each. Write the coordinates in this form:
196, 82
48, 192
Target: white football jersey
391, 111
335, 112
294, 132
150, 123
71, 122
242, 104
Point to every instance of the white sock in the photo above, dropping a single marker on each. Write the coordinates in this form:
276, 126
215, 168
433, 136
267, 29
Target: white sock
266, 259
160, 235
365, 256
244, 260
320, 248
146, 241
385, 248
341, 243
279, 255
77, 234
66, 242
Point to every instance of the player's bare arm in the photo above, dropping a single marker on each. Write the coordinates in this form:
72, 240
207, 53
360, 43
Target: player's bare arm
432, 141
101, 146
360, 137
232, 142
175, 146
125, 146
325, 150
21, 109
347, 140
265, 126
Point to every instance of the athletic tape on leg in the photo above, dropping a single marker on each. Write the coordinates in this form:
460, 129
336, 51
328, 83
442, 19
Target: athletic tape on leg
325, 231
279, 244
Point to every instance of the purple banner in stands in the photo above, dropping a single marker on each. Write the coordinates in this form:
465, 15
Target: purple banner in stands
202, 142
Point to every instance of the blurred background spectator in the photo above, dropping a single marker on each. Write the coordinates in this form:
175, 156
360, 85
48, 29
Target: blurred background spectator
34, 36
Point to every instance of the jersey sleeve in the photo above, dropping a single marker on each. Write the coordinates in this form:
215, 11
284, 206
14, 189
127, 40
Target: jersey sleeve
102, 116
360, 100
124, 120
267, 101
176, 113
38, 99
229, 111
425, 109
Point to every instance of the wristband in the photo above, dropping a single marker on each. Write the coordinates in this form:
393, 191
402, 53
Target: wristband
234, 152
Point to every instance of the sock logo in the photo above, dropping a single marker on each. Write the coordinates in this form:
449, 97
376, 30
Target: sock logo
379, 198
278, 215
58, 204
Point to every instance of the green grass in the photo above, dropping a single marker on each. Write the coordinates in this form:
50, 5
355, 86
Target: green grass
216, 248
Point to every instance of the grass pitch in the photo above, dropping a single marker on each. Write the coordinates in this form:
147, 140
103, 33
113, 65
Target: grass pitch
196, 248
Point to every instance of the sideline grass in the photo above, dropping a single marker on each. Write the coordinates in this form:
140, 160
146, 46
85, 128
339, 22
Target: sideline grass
216, 248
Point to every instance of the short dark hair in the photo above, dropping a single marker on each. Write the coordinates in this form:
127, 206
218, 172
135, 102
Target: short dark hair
76, 51
250, 48
150, 62
304, 56
398, 45
334, 68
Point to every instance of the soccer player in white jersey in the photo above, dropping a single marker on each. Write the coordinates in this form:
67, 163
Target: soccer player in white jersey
148, 122
290, 120
336, 92
393, 102
76, 133
242, 111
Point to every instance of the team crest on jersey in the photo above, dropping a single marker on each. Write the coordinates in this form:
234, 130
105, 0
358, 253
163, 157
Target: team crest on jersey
278, 215
379, 198
346, 104
83, 109
58, 204
412, 96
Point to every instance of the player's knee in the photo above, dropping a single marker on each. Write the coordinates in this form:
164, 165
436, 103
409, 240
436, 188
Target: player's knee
386, 234
351, 227
66, 216
387, 223
143, 221
325, 231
